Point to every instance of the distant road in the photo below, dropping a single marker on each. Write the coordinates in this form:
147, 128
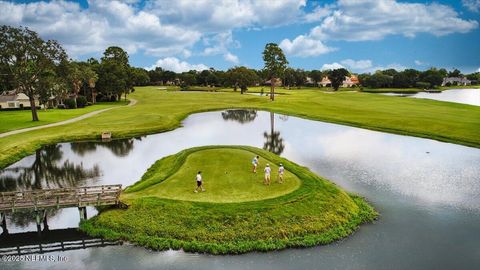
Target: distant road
73, 120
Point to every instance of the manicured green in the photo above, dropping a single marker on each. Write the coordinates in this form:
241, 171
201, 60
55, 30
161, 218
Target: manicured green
160, 110
227, 175
315, 213
18, 119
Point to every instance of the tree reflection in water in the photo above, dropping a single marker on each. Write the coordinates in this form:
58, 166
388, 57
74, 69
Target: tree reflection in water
241, 116
46, 171
273, 141
119, 148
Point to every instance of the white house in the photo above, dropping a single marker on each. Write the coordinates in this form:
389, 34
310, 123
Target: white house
456, 81
10, 100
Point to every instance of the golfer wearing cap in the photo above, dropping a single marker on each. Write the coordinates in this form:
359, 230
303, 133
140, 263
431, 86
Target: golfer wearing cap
281, 170
267, 174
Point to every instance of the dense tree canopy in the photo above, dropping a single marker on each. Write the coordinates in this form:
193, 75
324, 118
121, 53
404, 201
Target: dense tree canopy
29, 60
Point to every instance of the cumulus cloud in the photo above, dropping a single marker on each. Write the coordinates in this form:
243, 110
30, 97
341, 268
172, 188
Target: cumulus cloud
355, 20
318, 13
103, 24
304, 46
362, 20
224, 15
231, 58
174, 64
334, 65
358, 65
472, 5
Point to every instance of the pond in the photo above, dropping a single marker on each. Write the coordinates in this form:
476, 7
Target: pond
465, 96
427, 192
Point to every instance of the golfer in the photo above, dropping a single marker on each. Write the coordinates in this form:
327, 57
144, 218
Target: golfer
281, 171
199, 182
255, 163
267, 174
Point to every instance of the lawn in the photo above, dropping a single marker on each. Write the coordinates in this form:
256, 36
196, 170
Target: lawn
18, 119
273, 217
227, 175
161, 110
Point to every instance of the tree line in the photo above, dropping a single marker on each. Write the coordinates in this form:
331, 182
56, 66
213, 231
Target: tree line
42, 70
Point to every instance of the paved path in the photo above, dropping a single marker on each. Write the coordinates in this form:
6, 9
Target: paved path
73, 120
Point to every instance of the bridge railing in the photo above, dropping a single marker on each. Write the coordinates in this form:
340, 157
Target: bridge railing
59, 198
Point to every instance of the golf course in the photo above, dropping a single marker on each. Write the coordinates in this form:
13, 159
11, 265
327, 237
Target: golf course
237, 213
161, 110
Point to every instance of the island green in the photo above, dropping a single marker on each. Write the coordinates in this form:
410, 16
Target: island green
237, 213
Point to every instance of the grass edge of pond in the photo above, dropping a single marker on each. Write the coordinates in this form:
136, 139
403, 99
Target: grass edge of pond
138, 224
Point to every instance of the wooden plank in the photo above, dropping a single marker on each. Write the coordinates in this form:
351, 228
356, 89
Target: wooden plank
62, 197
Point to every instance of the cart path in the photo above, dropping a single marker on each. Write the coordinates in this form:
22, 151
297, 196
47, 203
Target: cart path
69, 121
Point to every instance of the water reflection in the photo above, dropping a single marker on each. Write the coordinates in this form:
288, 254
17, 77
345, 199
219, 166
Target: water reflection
46, 169
49, 241
120, 148
273, 141
241, 116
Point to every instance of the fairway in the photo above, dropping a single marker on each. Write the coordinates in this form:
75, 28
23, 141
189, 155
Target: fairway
227, 177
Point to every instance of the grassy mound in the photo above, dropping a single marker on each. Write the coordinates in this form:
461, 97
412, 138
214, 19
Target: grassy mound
164, 213
227, 176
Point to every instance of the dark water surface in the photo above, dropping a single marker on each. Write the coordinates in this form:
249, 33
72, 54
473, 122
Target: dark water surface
428, 193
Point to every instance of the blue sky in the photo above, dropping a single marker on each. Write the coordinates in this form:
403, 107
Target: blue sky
361, 35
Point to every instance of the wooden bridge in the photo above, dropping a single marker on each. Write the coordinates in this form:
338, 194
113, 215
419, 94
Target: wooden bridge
43, 199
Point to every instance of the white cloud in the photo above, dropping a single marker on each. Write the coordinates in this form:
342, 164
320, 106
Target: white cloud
231, 58
355, 20
472, 5
174, 64
161, 28
103, 24
334, 65
304, 46
224, 15
358, 65
420, 63
478, 70
319, 13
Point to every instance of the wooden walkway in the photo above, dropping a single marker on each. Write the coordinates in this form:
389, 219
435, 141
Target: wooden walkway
60, 198
40, 201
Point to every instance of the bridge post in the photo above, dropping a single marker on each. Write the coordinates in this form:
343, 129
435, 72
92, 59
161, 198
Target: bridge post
83, 213
45, 222
3, 219
38, 220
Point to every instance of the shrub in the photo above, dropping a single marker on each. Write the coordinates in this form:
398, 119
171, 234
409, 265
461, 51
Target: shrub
81, 101
61, 106
423, 85
184, 87
69, 103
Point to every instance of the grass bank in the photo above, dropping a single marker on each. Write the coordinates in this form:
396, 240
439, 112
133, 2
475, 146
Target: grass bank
161, 110
315, 212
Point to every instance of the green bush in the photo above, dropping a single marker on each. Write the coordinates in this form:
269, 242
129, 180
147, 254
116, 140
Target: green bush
69, 103
81, 101
423, 85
